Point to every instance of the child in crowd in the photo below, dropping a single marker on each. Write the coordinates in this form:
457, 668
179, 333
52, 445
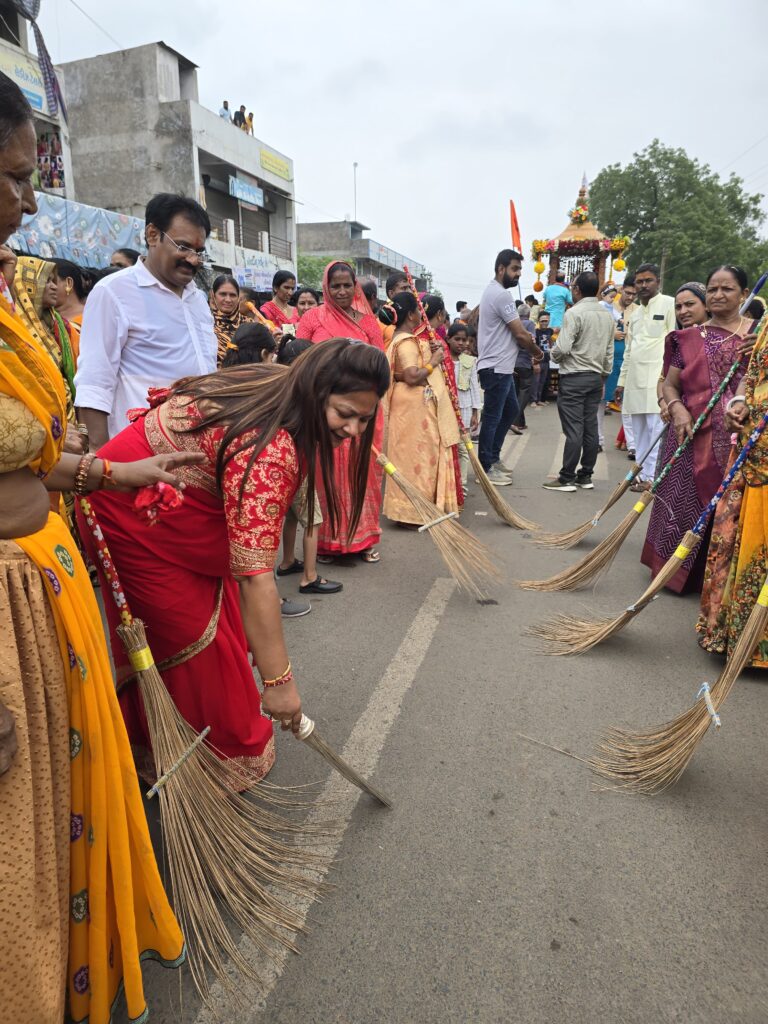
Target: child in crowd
311, 583
544, 340
468, 386
251, 343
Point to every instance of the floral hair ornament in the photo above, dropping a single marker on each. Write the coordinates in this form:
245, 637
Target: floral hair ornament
151, 501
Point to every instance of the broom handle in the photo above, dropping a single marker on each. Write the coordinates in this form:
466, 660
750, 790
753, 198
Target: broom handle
464, 433
743, 455
639, 462
110, 572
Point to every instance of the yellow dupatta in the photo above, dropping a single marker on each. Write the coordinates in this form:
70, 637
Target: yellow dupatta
119, 912
447, 425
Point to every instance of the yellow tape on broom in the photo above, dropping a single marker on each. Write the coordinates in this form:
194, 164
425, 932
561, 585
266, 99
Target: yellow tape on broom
141, 660
639, 506
390, 467
763, 598
682, 552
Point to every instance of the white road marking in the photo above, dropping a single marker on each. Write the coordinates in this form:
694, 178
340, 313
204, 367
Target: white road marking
513, 448
601, 466
362, 750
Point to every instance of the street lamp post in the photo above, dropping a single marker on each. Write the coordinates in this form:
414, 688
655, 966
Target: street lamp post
354, 178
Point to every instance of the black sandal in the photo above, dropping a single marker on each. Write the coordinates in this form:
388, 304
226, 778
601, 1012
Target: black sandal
321, 586
296, 566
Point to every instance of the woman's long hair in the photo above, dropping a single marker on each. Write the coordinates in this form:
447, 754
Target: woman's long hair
253, 402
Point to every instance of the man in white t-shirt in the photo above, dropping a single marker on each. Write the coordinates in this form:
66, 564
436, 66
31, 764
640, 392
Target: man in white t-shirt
148, 325
500, 335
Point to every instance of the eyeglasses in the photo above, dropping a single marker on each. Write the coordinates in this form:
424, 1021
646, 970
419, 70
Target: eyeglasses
202, 255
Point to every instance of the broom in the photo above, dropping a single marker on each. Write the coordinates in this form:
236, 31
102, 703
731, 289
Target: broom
567, 634
468, 561
503, 510
601, 557
650, 762
309, 735
572, 537
230, 858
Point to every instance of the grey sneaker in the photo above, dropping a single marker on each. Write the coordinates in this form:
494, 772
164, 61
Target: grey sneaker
499, 478
294, 609
502, 468
558, 485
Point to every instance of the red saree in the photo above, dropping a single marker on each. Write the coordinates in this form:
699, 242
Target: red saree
272, 312
322, 323
177, 573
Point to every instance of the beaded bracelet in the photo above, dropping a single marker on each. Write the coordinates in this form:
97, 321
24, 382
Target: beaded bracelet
285, 677
81, 473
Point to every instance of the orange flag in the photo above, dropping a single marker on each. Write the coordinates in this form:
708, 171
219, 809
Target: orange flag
515, 227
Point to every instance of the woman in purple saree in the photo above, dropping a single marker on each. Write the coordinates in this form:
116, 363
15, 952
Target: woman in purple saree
696, 358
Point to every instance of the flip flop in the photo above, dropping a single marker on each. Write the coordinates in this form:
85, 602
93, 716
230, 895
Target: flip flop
371, 556
321, 586
296, 566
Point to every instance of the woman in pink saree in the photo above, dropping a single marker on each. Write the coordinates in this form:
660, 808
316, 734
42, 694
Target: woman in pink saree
345, 313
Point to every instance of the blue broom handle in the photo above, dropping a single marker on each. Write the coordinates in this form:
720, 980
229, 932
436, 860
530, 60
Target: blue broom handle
709, 508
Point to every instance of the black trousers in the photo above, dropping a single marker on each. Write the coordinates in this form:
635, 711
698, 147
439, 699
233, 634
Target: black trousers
524, 384
578, 400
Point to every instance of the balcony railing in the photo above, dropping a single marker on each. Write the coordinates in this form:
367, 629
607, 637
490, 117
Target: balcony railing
280, 247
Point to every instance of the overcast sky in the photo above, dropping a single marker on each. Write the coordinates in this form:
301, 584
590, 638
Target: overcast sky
452, 108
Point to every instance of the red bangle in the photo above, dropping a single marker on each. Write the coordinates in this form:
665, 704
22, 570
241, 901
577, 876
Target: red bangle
81, 473
280, 680
107, 480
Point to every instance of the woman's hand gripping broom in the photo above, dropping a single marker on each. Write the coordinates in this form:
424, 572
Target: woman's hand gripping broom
503, 510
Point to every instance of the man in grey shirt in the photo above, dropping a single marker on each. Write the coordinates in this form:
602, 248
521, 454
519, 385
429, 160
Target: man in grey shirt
500, 335
584, 357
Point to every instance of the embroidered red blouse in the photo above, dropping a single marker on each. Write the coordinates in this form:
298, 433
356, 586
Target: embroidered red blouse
254, 525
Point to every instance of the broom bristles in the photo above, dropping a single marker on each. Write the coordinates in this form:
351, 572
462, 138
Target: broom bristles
230, 860
502, 509
572, 537
650, 762
596, 561
468, 560
566, 634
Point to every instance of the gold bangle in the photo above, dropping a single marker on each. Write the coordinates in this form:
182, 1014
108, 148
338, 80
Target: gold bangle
429, 368
284, 677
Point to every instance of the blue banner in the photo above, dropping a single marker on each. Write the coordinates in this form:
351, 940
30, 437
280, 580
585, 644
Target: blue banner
86, 235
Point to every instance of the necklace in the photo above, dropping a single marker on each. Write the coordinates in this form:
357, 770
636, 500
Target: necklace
733, 334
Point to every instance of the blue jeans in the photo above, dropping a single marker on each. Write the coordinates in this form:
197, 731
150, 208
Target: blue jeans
500, 410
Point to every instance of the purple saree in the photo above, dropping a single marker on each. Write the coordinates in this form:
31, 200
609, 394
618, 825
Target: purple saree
703, 355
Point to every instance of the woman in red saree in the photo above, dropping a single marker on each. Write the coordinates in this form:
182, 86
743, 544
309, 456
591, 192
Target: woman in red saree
278, 309
345, 313
202, 578
696, 359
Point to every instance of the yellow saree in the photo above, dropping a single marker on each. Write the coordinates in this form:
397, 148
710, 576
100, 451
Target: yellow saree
421, 430
116, 911
737, 559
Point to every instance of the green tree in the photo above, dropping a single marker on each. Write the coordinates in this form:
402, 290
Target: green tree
671, 204
310, 270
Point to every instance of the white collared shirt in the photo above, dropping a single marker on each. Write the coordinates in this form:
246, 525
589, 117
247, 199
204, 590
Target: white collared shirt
138, 334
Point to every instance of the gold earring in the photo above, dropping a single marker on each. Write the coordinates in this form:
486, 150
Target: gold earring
68, 288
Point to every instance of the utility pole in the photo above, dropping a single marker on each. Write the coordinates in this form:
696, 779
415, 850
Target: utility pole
663, 267
354, 178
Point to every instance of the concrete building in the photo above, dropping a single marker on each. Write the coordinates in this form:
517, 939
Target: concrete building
54, 165
343, 239
137, 128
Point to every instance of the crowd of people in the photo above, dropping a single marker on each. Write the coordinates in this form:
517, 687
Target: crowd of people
239, 118
267, 412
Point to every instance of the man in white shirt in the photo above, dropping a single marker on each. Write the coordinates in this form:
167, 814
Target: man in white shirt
648, 326
224, 111
148, 325
500, 335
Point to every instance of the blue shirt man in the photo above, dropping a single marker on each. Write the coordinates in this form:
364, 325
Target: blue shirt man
556, 298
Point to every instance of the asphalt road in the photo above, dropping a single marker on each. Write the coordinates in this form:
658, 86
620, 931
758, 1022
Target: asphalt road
504, 886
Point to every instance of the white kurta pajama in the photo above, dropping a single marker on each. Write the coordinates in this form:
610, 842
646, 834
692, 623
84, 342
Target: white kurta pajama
647, 328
